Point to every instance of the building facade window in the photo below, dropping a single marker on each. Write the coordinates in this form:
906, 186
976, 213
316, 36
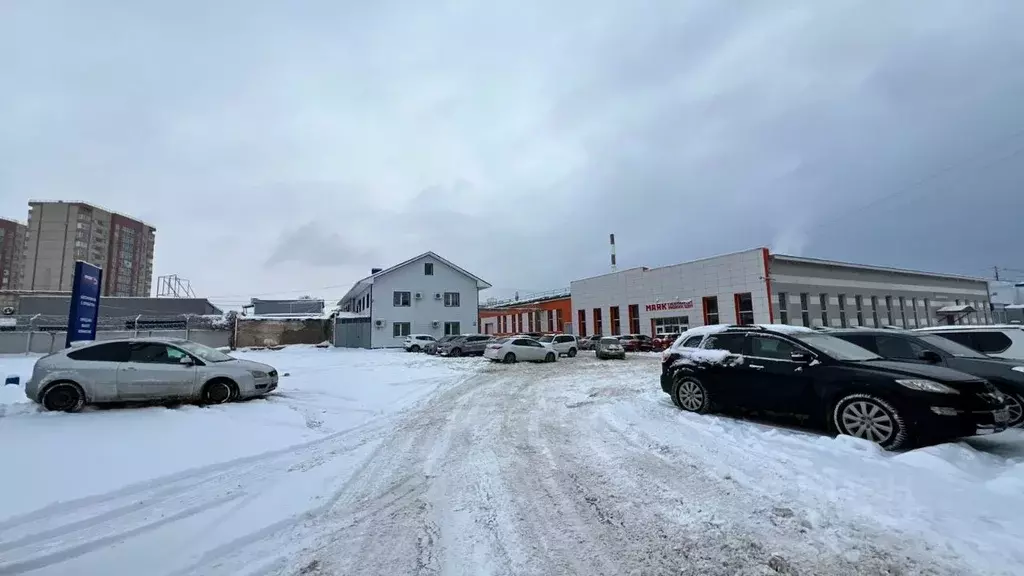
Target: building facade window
597, 322
903, 312
913, 306
613, 318
581, 320
551, 320
888, 310
634, 318
805, 309
823, 303
451, 299
842, 310
783, 312
428, 268
874, 310
402, 299
676, 325
559, 320
744, 308
710, 310
399, 329
452, 328
927, 313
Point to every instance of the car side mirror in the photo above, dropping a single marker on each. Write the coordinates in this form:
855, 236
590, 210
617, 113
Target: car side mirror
801, 357
186, 361
930, 356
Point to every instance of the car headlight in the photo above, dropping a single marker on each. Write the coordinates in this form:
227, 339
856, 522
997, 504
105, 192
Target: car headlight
1018, 368
258, 374
926, 386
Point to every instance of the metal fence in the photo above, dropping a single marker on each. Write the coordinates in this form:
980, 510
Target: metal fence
45, 334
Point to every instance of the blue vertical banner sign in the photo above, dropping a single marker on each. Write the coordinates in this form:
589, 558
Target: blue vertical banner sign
85, 303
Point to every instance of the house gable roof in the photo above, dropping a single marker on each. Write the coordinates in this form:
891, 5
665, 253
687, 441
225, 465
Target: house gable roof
480, 283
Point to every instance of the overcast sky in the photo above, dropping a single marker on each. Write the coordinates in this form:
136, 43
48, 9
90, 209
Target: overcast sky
291, 146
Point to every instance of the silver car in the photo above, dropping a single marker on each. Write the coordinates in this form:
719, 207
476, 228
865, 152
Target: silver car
511, 350
144, 369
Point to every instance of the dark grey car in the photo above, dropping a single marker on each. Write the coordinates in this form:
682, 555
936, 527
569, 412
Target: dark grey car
609, 347
466, 345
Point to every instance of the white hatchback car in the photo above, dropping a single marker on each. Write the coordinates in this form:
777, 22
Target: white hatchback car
564, 344
511, 350
418, 342
998, 340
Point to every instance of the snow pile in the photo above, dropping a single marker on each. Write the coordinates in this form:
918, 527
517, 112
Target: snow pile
701, 357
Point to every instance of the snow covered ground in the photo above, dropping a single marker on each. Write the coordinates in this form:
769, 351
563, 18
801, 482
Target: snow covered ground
381, 462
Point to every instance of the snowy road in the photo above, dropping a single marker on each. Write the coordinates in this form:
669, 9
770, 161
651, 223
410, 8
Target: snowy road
581, 467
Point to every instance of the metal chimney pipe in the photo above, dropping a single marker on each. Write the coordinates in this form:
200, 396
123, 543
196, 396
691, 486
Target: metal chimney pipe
611, 239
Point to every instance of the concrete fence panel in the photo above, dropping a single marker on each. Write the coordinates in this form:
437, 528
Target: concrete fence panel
47, 342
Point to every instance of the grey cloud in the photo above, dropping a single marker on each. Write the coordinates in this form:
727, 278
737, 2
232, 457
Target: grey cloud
513, 137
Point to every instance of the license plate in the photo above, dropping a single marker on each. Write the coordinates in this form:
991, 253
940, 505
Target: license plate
1002, 416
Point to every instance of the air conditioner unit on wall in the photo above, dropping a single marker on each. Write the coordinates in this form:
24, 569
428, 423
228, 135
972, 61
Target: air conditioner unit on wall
435, 323
418, 295
437, 295
378, 323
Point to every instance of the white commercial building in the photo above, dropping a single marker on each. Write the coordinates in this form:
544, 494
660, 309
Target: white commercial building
755, 286
424, 295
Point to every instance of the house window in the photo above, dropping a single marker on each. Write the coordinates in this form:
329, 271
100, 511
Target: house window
452, 328
451, 299
613, 316
402, 299
823, 303
597, 322
783, 313
710, 310
805, 310
903, 312
399, 329
842, 310
428, 268
874, 310
744, 308
888, 310
581, 319
634, 318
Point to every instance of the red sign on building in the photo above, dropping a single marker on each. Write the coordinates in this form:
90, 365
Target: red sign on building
678, 305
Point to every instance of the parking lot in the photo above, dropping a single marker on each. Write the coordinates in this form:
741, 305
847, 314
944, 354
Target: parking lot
385, 462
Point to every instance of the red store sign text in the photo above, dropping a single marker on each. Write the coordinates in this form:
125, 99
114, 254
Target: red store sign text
682, 304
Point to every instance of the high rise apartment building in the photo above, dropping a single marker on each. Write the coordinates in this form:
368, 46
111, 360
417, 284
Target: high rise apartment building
59, 233
12, 249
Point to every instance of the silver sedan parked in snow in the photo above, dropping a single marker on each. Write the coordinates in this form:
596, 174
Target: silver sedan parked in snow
510, 350
144, 369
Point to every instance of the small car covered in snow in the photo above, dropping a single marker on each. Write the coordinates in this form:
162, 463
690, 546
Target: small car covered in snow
833, 383
144, 369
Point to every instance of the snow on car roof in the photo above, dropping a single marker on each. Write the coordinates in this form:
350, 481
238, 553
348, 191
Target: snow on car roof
970, 327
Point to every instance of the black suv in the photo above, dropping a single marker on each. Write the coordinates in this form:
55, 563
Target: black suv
838, 385
924, 348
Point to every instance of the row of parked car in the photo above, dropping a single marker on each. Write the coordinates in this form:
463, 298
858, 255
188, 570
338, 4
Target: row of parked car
532, 347
894, 387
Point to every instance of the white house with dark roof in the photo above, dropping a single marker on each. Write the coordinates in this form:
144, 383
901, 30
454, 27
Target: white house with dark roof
423, 295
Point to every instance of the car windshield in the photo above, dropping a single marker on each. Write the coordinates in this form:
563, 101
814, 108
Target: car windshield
609, 341
836, 347
547, 339
954, 348
447, 338
203, 352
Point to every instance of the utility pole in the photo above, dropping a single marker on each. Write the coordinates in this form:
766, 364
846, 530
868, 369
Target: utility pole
996, 268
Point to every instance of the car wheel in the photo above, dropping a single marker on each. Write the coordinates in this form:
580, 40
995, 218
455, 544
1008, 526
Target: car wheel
455, 352
414, 348
510, 358
690, 394
572, 352
63, 397
217, 392
1015, 406
871, 418
550, 357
